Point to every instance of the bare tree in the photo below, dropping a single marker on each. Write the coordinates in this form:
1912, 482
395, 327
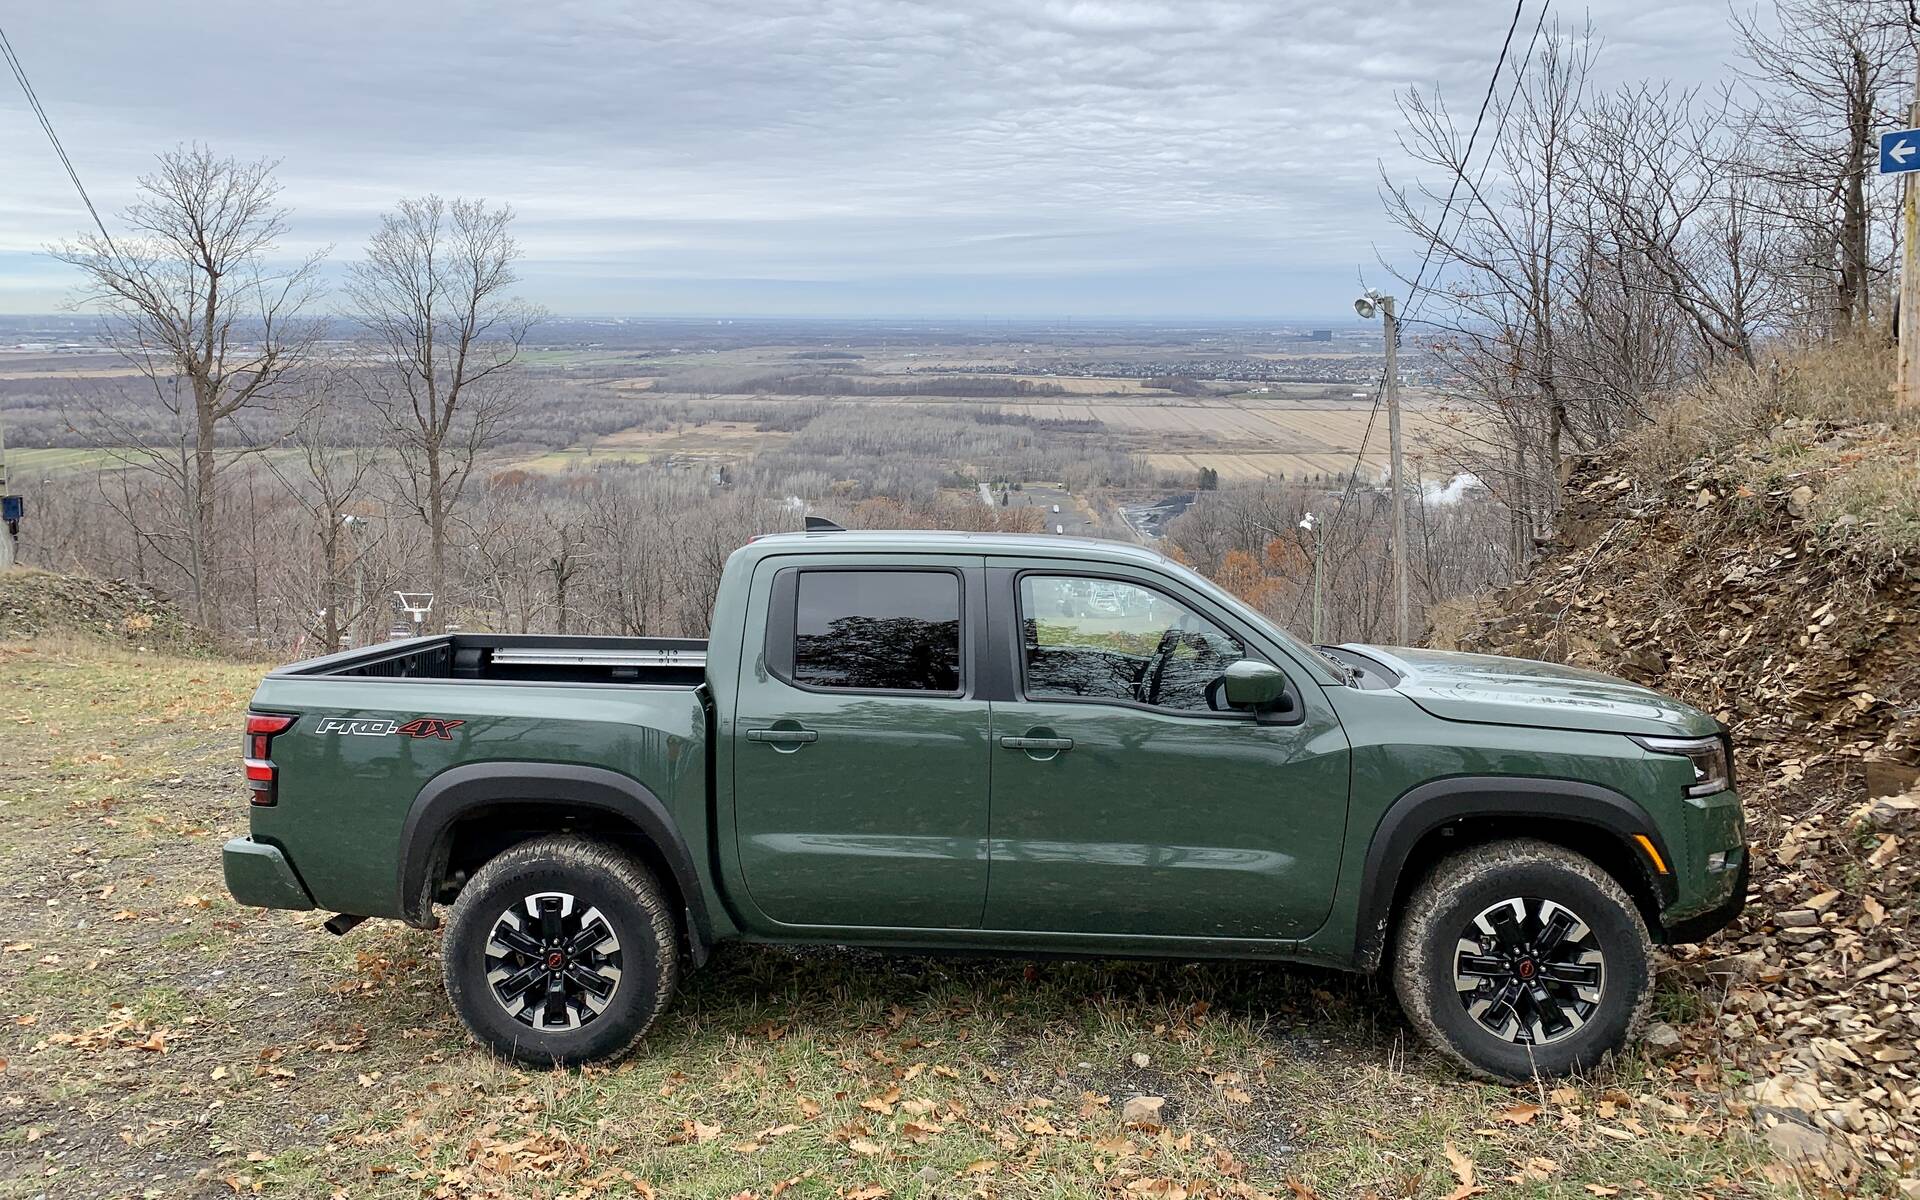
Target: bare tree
1679, 213
433, 295
1504, 254
1827, 76
329, 481
195, 301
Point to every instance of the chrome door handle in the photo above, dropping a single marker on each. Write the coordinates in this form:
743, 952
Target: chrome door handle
783, 737
1036, 743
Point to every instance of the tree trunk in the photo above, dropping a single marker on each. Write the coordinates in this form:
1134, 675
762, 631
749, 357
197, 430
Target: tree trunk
330, 551
199, 553
437, 539
1517, 502
1850, 304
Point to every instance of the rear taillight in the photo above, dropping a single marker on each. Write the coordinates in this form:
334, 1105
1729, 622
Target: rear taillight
261, 728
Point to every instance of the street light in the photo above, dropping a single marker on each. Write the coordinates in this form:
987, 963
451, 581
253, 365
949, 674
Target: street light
1367, 305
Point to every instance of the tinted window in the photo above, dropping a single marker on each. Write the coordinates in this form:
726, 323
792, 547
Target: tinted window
1101, 639
897, 630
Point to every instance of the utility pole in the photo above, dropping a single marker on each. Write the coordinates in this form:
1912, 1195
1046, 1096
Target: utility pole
1319, 548
1907, 384
1366, 306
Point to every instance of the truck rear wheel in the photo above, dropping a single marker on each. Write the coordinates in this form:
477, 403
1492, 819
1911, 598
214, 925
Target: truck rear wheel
561, 950
1520, 958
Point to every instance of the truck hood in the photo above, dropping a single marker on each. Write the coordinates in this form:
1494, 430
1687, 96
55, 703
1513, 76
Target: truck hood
1489, 689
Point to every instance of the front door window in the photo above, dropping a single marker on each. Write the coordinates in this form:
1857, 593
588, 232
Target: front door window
1103, 639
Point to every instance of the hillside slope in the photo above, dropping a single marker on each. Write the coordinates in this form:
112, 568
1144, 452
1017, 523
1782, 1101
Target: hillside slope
35, 603
1757, 553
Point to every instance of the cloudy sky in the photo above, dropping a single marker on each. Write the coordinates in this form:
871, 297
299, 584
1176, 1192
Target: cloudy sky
817, 157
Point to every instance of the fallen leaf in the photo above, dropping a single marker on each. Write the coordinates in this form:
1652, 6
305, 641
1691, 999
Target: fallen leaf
1463, 1171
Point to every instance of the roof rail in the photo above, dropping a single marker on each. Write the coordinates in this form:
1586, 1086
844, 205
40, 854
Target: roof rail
822, 525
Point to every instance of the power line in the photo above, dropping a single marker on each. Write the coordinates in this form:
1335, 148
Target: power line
1433, 242
1466, 160
33, 101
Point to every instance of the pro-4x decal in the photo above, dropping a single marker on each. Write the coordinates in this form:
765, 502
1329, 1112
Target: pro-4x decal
419, 727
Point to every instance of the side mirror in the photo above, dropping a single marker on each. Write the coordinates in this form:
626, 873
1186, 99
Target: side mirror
1255, 686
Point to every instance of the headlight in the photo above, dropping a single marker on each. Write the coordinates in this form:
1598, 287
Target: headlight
1712, 769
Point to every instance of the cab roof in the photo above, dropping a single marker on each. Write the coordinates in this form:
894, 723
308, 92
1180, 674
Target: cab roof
929, 541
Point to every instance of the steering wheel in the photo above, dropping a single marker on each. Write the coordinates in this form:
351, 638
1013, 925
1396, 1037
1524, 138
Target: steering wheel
1157, 665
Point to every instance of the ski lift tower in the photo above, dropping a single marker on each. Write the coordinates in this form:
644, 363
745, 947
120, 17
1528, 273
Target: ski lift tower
417, 605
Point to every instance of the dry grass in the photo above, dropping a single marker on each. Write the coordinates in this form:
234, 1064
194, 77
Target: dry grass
1844, 384
1879, 503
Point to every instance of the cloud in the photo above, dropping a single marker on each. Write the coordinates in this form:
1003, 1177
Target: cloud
963, 149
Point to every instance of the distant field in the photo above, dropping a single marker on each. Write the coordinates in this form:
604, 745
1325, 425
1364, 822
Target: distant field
1083, 385
58, 460
718, 440
1252, 439
1255, 467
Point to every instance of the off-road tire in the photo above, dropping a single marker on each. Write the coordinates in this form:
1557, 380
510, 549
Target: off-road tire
599, 876
1447, 901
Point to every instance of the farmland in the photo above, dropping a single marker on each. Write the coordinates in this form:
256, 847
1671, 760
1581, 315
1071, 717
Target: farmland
832, 413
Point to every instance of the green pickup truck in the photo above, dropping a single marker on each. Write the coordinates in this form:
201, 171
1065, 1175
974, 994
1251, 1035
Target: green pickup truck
1028, 745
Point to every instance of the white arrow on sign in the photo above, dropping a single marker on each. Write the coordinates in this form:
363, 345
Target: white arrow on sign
1901, 151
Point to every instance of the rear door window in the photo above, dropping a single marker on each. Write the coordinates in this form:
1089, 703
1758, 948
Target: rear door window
895, 631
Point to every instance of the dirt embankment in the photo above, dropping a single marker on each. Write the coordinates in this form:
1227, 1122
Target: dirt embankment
1759, 556
36, 603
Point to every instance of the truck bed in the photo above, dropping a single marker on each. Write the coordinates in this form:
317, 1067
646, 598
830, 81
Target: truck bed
519, 658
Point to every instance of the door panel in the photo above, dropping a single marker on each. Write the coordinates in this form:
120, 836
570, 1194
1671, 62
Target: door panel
1160, 815
858, 803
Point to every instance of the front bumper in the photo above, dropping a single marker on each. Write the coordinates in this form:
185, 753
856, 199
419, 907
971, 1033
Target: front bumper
259, 876
1702, 925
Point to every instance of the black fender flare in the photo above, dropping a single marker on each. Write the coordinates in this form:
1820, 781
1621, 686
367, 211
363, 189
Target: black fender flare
1429, 806
464, 790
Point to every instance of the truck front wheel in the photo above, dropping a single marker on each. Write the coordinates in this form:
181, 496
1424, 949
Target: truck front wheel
561, 950
1520, 958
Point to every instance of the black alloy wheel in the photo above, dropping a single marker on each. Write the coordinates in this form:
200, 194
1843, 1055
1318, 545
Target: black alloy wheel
1529, 970
553, 962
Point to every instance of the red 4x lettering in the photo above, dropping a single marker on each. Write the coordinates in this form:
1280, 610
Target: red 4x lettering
434, 727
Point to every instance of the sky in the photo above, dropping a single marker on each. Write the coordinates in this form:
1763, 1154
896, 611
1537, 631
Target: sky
1003, 158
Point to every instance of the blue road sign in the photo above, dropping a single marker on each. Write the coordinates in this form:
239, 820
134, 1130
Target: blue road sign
1900, 151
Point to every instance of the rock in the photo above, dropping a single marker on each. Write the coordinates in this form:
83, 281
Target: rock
1797, 1143
1141, 1059
1142, 1110
1644, 660
1734, 967
1798, 916
1799, 502
932, 1175
1786, 1091
1895, 814
1886, 778
1662, 1040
